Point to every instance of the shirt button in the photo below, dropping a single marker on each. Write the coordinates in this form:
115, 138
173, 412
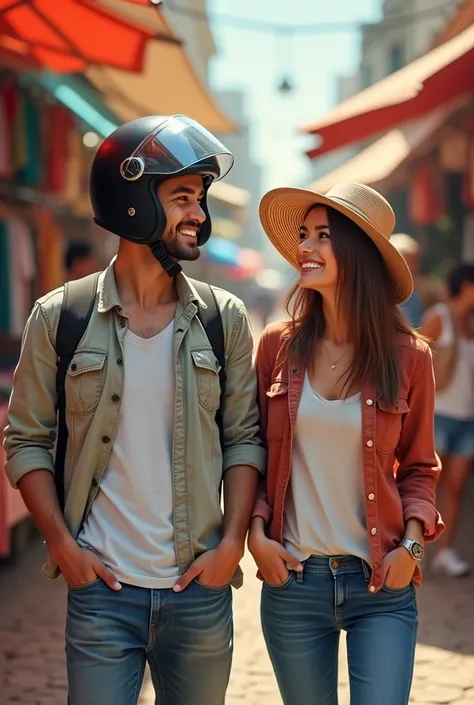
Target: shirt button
371, 496
122, 323
373, 531
115, 397
119, 361
95, 482
369, 444
73, 367
294, 371
369, 402
105, 439
372, 588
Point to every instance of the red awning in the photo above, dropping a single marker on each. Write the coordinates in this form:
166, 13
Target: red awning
376, 165
69, 35
427, 83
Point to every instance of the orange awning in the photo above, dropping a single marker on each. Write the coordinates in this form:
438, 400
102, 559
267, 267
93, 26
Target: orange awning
168, 84
427, 83
373, 165
66, 36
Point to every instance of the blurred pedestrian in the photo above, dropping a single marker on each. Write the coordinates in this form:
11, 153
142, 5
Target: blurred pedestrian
80, 261
346, 397
409, 248
450, 328
154, 432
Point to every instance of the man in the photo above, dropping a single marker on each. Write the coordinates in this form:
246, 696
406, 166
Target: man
409, 248
80, 260
449, 327
144, 549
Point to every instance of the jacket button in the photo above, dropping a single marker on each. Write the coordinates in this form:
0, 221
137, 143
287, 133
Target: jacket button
95, 482
371, 496
369, 444
369, 402
294, 371
73, 367
105, 439
115, 397
373, 531
119, 361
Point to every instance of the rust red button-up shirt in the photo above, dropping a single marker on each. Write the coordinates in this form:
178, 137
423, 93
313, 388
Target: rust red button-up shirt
401, 468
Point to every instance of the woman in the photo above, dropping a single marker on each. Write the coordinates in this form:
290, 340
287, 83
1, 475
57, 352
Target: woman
449, 327
346, 394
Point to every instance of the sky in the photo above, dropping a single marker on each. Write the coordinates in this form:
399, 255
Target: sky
255, 62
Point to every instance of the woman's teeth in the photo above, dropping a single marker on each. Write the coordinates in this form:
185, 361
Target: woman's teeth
311, 265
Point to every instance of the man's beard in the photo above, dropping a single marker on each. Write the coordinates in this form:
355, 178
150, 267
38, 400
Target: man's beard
184, 251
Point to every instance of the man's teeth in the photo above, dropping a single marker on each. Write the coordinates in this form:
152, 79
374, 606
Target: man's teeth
189, 233
311, 265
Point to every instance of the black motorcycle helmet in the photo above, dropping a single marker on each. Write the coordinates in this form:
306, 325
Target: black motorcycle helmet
131, 163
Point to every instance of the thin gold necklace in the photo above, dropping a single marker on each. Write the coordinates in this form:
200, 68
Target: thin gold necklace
334, 363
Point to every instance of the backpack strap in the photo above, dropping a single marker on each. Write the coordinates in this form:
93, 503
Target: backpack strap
76, 310
211, 321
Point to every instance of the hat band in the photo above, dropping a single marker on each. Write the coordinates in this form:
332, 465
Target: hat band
356, 210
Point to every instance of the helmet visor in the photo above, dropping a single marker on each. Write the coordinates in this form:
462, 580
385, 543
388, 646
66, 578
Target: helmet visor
175, 146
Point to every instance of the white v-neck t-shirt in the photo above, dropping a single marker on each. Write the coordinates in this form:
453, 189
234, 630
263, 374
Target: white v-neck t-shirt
130, 524
325, 506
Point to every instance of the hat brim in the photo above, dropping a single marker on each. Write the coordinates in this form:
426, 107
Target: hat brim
282, 212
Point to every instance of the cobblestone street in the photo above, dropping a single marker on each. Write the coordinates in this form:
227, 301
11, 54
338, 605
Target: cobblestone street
32, 646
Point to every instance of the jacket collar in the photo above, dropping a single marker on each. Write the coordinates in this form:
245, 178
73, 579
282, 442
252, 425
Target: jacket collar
109, 297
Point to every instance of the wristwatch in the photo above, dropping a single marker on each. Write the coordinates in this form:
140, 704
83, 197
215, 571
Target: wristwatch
414, 548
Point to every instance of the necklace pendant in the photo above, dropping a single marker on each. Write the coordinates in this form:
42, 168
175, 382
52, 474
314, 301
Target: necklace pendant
333, 366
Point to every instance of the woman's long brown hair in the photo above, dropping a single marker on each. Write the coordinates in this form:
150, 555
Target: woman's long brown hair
365, 295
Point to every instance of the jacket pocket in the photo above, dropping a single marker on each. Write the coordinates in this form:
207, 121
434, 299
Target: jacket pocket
84, 381
388, 425
277, 409
207, 374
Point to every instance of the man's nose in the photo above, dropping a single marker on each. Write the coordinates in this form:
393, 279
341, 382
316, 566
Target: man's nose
197, 213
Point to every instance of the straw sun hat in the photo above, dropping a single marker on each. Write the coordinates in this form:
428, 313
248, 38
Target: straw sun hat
282, 212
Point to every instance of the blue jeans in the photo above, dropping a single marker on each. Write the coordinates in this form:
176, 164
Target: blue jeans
302, 621
454, 436
186, 638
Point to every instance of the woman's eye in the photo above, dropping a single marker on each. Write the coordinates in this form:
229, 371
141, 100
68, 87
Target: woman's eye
324, 235
301, 236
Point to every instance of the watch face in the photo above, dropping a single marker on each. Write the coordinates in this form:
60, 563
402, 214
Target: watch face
417, 550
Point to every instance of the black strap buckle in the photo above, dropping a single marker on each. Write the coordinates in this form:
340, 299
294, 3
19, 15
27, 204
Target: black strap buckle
160, 253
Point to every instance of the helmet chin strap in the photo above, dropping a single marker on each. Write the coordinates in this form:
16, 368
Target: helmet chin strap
160, 253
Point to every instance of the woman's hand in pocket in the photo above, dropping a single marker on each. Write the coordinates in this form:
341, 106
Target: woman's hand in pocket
273, 561
399, 568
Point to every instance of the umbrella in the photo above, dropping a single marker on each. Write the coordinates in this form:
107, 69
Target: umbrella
66, 36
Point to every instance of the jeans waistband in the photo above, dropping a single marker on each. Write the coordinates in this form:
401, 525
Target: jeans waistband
337, 565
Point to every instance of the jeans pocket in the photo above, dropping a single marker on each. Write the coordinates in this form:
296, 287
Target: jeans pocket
280, 586
211, 588
86, 586
397, 591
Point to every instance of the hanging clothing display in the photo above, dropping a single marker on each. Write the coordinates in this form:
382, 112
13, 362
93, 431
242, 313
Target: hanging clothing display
41, 148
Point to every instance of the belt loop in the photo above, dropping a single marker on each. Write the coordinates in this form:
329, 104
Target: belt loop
299, 574
367, 571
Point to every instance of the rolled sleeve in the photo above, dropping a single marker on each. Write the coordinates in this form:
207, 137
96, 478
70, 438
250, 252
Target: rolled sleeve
242, 445
418, 464
31, 416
